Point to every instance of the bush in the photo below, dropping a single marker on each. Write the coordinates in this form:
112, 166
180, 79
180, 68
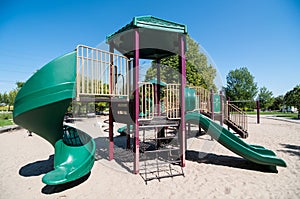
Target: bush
5, 116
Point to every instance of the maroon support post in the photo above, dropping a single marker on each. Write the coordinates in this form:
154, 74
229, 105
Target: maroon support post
182, 71
158, 86
111, 122
212, 105
136, 144
258, 111
221, 108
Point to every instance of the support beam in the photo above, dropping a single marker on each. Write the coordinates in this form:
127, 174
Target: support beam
221, 108
212, 107
136, 147
182, 72
158, 86
111, 122
258, 111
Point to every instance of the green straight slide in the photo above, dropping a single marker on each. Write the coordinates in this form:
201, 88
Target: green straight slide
40, 107
257, 154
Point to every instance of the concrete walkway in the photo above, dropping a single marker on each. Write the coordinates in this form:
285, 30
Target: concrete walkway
274, 117
9, 128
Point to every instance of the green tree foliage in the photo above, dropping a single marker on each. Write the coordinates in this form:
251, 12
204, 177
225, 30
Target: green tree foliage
5, 98
20, 85
240, 85
198, 71
277, 103
292, 98
11, 98
265, 97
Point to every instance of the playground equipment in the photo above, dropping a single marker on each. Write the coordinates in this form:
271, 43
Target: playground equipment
89, 73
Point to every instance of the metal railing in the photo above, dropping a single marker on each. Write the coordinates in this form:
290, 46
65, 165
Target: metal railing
146, 91
101, 73
203, 99
237, 116
172, 104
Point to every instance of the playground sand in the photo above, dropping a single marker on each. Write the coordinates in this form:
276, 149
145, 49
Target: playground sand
211, 170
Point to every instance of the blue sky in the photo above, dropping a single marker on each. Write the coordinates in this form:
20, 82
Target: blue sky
263, 36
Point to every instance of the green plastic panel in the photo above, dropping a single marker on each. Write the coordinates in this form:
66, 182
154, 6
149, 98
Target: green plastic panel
40, 107
71, 162
151, 22
217, 103
190, 99
41, 104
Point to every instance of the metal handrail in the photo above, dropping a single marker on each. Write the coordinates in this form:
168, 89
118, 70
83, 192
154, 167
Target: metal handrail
172, 105
202, 99
237, 116
99, 73
146, 91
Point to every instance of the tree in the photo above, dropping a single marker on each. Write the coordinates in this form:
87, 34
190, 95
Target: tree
292, 98
240, 85
198, 71
20, 85
265, 97
277, 103
5, 98
11, 98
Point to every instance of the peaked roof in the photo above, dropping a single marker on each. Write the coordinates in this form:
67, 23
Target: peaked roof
151, 22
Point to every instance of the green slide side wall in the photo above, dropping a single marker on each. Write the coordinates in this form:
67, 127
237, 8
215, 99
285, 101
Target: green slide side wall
43, 100
260, 156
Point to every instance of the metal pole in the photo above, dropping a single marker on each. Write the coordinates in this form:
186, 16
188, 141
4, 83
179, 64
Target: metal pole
136, 147
128, 137
111, 122
158, 86
212, 105
182, 71
258, 111
221, 109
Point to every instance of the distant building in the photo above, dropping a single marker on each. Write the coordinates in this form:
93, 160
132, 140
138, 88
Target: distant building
289, 109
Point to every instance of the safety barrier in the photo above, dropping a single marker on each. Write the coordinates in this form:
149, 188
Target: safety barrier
237, 116
203, 99
147, 109
172, 105
101, 73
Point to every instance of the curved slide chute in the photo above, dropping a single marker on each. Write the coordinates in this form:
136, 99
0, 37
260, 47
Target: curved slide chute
40, 107
253, 153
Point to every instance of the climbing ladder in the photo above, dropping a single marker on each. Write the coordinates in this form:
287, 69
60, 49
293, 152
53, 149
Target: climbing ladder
160, 152
159, 146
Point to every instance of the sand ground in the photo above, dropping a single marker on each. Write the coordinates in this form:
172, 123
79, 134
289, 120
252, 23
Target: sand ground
211, 171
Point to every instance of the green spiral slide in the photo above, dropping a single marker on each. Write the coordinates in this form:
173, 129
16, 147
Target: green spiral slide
40, 107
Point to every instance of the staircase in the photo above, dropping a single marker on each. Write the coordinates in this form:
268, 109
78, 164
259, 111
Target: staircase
236, 119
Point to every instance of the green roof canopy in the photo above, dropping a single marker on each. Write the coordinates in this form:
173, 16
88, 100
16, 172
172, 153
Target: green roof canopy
158, 37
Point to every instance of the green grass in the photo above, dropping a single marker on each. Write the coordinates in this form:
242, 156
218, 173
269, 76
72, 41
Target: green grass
5, 122
5, 119
288, 115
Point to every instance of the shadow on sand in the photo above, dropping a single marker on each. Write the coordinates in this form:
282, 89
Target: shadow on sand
292, 150
122, 155
37, 168
51, 189
228, 161
44, 166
